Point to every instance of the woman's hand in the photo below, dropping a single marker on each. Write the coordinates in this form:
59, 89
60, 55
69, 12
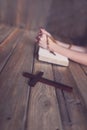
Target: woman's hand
41, 39
44, 38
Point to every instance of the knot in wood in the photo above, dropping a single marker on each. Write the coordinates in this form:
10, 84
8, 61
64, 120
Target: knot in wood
46, 104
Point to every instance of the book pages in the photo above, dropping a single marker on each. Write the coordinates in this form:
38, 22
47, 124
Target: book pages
47, 56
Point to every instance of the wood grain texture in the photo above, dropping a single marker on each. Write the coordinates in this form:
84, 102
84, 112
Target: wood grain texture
8, 46
3, 7
2, 26
19, 13
10, 16
72, 111
85, 69
44, 113
5, 33
14, 91
81, 80
38, 13
29, 14
6, 40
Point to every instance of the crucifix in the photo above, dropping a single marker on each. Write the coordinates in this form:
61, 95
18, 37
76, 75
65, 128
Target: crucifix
38, 78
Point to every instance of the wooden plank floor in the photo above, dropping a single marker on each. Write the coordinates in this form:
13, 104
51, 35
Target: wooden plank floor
42, 107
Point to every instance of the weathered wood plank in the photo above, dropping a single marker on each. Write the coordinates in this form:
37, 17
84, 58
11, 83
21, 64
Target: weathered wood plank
81, 80
58, 71
6, 41
72, 111
76, 111
38, 13
3, 10
44, 113
84, 69
5, 33
1, 26
20, 15
8, 46
10, 16
24, 13
14, 91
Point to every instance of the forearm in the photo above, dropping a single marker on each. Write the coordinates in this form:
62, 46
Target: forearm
73, 47
72, 55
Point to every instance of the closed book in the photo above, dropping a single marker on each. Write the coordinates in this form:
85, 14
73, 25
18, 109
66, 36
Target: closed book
47, 56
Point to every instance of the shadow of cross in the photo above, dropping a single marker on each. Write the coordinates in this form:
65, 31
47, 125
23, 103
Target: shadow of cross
38, 78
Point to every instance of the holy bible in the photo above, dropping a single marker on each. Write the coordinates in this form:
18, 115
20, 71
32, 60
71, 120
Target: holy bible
53, 58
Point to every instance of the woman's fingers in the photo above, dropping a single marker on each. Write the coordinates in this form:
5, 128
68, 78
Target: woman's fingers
41, 39
38, 37
43, 45
43, 31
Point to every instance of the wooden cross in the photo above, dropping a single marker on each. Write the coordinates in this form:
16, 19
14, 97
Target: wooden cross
38, 78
